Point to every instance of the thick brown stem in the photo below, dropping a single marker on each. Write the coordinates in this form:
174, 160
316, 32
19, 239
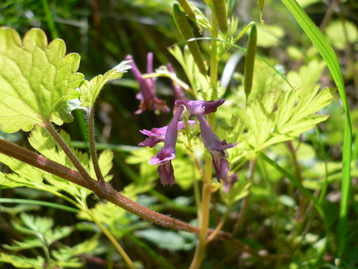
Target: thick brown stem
103, 191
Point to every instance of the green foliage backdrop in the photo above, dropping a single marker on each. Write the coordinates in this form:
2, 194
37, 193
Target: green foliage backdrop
290, 200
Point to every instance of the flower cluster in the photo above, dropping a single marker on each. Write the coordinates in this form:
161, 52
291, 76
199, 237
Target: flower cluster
169, 134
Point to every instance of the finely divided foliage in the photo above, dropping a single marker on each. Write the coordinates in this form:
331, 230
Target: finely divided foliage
37, 80
271, 121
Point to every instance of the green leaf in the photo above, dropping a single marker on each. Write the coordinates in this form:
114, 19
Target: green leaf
44, 143
36, 224
28, 244
269, 35
111, 216
91, 89
105, 164
307, 74
40, 228
65, 253
293, 116
22, 262
235, 193
326, 51
170, 240
339, 38
26, 175
47, 146
199, 83
36, 79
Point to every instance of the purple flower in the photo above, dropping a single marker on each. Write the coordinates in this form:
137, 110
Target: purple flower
167, 153
197, 107
177, 89
216, 147
156, 135
231, 180
147, 87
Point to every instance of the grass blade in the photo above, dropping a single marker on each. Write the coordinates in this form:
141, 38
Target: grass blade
39, 203
329, 56
295, 182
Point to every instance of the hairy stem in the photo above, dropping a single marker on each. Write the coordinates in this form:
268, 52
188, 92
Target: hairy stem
92, 143
102, 191
48, 126
111, 195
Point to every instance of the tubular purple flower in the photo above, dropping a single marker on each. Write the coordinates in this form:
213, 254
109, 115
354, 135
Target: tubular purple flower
197, 107
216, 148
147, 87
156, 135
177, 89
231, 180
167, 153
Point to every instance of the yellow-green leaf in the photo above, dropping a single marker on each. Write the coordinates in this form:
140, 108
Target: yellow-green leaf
36, 80
91, 89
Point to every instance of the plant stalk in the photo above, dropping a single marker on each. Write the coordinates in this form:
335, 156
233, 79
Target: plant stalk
92, 143
102, 191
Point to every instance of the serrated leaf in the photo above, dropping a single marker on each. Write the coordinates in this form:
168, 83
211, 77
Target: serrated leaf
307, 74
46, 145
28, 244
199, 83
293, 116
22, 262
57, 234
26, 175
91, 89
112, 216
65, 253
36, 224
170, 240
36, 79
200, 20
105, 164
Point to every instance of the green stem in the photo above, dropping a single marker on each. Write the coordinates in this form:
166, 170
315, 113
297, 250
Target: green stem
39, 203
330, 57
112, 239
100, 190
48, 126
220, 225
205, 214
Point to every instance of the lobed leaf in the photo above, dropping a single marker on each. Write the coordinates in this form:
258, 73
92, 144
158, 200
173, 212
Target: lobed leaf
22, 262
36, 79
271, 121
91, 89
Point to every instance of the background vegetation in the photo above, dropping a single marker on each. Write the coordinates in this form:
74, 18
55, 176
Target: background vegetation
274, 218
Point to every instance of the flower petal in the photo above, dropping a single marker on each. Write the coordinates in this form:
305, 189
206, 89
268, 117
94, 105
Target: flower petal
147, 88
166, 173
216, 147
197, 107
